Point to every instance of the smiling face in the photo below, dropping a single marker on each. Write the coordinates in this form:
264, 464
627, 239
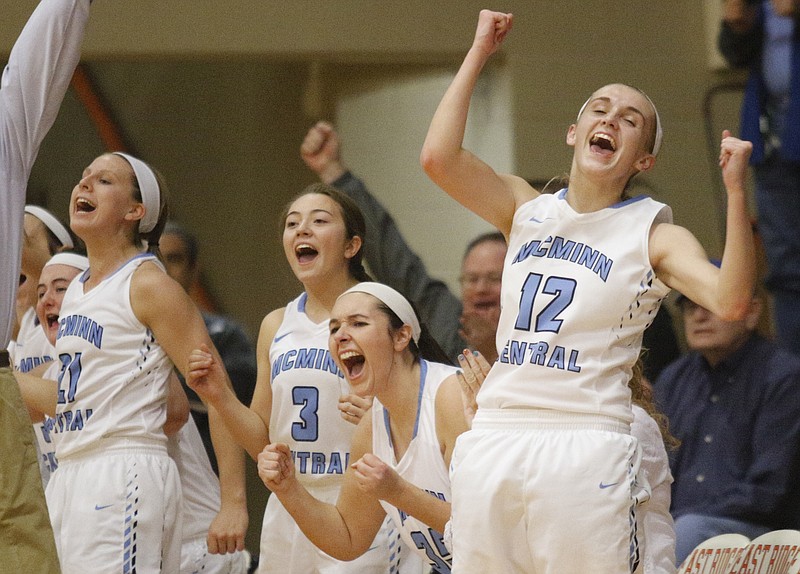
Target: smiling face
314, 238
615, 131
104, 198
362, 342
481, 274
53, 283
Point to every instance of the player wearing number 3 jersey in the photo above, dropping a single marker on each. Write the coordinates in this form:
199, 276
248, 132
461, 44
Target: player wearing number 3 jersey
299, 390
546, 481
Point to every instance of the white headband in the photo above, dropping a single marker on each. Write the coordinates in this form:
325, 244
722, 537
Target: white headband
72, 259
52, 223
148, 187
392, 299
659, 131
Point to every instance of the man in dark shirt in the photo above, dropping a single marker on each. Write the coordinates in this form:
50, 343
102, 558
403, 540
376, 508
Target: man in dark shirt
733, 403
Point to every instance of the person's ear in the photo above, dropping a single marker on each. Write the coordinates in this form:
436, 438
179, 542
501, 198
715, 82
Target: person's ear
135, 213
402, 338
353, 247
571, 135
646, 163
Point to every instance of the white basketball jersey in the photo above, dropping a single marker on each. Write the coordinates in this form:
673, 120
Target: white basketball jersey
422, 465
306, 386
31, 347
43, 430
578, 292
199, 484
113, 382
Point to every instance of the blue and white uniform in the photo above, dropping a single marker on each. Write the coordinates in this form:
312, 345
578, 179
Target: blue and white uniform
422, 465
115, 479
31, 347
306, 386
552, 433
655, 524
201, 504
28, 351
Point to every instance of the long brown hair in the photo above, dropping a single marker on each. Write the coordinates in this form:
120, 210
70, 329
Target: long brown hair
642, 396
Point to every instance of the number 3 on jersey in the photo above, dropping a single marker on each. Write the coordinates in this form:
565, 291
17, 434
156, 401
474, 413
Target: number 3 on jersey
563, 290
308, 399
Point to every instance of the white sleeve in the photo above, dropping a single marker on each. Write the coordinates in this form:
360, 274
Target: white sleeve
33, 85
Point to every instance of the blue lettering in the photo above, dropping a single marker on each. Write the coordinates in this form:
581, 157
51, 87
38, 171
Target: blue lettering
557, 358
567, 250
83, 327
317, 463
517, 352
319, 359
96, 335
330, 365
526, 251
603, 267
303, 457
538, 353
573, 362
305, 358
561, 249
335, 466
288, 359
588, 257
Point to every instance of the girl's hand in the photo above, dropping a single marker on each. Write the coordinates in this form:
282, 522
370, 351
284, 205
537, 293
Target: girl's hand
204, 375
474, 369
491, 31
353, 407
734, 155
376, 477
275, 467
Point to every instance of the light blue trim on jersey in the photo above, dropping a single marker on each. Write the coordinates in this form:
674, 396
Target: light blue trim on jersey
563, 195
301, 303
423, 374
84, 277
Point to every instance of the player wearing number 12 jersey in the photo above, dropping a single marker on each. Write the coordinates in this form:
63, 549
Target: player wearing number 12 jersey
546, 480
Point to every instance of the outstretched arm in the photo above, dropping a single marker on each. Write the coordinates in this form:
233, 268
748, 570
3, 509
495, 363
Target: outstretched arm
33, 84
249, 426
461, 174
345, 530
681, 262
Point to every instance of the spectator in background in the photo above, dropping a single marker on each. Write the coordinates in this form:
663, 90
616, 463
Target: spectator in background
764, 36
456, 323
179, 251
732, 402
